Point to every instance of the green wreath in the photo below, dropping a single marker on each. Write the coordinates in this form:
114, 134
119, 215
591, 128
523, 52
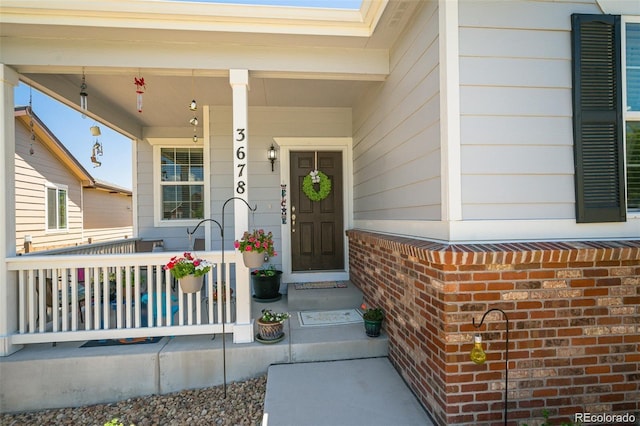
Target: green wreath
310, 191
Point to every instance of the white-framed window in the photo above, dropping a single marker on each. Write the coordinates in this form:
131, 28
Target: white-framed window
631, 112
56, 204
180, 184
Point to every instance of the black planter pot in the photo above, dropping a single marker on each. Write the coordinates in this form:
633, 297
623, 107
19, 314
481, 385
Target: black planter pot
266, 288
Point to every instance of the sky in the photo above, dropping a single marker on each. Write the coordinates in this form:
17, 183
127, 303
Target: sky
73, 132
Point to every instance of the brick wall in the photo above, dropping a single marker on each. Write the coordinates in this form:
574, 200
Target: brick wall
573, 312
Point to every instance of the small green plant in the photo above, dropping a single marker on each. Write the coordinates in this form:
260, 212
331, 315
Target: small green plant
545, 414
266, 272
373, 314
116, 422
269, 316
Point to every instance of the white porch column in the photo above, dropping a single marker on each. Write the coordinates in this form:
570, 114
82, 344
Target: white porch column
450, 161
8, 283
239, 80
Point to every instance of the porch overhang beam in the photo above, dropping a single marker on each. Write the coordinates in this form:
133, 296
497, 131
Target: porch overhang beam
60, 56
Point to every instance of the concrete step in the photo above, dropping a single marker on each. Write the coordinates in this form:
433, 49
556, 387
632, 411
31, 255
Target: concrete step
324, 298
68, 375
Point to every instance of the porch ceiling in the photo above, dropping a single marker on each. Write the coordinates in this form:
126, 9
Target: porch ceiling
290, 66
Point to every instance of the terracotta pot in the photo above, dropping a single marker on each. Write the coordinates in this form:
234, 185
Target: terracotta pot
270, 330
191, 283
252, 259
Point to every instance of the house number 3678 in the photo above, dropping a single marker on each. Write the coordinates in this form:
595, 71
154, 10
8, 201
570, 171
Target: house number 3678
241, 156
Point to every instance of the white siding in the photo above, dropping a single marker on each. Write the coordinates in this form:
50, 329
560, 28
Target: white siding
515, 104
396, 131
32, 173
265, 123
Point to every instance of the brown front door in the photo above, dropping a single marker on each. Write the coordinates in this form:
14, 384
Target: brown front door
317, 229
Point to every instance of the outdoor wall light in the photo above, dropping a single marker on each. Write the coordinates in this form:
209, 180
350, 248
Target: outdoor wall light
193, 105
194, 121
272, 155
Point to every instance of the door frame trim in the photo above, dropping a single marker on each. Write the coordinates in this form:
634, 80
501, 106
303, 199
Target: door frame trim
344, 145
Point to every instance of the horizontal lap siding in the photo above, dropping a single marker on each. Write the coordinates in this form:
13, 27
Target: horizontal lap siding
32, 172
396, 152
515, 103
105, 210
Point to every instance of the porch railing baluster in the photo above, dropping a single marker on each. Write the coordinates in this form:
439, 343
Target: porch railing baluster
67, 297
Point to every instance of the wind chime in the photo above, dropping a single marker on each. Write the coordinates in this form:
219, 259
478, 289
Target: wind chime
96, 151
84, 96
193, 107
30, 112
140, 88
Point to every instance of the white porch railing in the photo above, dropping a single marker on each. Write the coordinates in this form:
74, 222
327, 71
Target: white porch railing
117, 296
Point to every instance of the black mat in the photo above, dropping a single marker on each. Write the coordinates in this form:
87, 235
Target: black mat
121, 342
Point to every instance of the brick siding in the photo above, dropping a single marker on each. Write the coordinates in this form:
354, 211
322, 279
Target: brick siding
574, 320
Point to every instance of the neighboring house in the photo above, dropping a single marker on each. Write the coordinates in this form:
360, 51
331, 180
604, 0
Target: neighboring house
483, 155
58, 203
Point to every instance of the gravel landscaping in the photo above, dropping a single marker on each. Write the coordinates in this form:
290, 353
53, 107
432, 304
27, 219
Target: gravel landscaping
244, 405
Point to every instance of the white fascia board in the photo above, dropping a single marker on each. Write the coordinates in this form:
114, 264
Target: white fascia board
299, 62
197, 16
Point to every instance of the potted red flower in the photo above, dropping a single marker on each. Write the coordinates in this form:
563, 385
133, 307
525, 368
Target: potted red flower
188, 270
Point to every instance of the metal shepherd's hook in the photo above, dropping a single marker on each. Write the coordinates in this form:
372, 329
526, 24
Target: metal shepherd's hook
224, 281
506, 357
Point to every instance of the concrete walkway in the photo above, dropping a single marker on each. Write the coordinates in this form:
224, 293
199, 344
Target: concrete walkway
340, 393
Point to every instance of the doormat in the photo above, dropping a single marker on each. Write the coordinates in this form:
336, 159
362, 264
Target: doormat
324, 318
121, 342
321, 284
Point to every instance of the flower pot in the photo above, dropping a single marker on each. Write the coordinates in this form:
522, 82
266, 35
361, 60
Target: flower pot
252, 259
191, 283
270, 330
372, 328
266, 288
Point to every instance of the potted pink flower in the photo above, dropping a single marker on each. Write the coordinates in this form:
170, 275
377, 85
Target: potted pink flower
255, 247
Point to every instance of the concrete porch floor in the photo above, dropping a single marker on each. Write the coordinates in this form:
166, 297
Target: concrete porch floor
44, 376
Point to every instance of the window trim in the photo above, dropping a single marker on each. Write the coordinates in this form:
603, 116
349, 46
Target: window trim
627, 115
158, 144
57, 187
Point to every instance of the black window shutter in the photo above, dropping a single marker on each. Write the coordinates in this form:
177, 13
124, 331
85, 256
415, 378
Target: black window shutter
597, 118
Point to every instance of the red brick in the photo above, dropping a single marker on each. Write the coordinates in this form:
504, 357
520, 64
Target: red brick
486, 276
582, 283
545, 392
598, 369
